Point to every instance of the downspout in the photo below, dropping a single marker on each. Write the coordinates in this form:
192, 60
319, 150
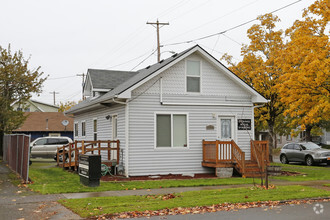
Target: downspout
126, 131
161, 90
126, 136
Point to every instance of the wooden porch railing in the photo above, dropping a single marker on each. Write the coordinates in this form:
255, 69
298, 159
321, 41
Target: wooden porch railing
238, 157
224, 152
259, 153
72, 150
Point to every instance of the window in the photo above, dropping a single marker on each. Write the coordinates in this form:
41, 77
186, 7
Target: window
95, 129
193, 76
114, 127
83, 128
76, 129
171, 130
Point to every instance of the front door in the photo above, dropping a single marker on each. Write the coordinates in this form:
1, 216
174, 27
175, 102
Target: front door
226, 128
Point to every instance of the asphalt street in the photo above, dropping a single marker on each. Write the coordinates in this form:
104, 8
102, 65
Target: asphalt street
315, 211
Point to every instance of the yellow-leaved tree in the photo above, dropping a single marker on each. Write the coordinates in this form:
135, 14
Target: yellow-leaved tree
305, 61
260, 70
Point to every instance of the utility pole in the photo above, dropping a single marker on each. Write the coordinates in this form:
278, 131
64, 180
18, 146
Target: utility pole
158, 41
54, 95
83, 80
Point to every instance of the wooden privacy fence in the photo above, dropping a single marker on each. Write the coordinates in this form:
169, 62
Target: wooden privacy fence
16, 153
70, 152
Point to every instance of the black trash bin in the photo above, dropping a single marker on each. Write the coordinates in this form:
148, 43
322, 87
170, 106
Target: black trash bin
90, 170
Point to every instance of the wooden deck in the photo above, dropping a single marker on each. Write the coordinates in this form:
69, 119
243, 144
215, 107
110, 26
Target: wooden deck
227, 154
73, 150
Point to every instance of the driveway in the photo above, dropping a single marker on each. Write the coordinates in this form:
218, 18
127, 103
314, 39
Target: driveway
20, 203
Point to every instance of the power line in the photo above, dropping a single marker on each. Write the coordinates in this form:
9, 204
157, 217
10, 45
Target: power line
144, 60
64, 77
229, 29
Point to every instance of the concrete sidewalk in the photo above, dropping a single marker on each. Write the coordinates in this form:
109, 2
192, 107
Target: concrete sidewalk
141, 192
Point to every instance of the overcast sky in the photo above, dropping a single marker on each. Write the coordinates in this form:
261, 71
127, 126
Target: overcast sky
66, 37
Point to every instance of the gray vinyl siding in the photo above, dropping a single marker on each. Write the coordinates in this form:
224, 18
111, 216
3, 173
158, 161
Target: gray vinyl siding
104, 126
216, 88
145, 159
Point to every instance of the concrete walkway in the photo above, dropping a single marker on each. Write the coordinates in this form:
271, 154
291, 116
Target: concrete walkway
20, 203
141, 192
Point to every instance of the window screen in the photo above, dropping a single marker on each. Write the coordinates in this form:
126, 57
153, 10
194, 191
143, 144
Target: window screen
163, 130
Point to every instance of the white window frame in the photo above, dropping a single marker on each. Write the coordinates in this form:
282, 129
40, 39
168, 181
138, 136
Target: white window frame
76, 129
155, 130
83, 134
114, 127
95, 132
200, 76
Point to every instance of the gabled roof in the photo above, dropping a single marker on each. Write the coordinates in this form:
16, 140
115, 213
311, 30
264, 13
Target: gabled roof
143, 75
45, 121
108, 79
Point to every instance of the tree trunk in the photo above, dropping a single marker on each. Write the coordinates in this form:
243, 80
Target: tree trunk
308, 133
272, 137
1, 143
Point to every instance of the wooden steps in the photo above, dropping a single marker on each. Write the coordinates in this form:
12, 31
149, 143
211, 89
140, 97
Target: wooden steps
251, 169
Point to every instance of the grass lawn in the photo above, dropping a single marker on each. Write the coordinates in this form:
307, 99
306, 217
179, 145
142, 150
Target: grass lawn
57, 180
308, 172
109, 205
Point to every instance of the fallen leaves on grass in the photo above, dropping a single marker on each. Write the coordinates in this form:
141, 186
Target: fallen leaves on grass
163, 197
203, 209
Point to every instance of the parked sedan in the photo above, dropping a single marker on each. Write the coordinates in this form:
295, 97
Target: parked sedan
46, 147
308, 153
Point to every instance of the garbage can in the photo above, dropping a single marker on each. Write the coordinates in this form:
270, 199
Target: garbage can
90, 170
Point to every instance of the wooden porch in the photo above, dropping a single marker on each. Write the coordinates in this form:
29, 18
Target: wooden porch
72, 151
228, 154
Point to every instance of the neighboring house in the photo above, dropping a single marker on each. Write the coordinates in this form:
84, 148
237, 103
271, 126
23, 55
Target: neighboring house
323, 139
162, 113
41, 124
35, 106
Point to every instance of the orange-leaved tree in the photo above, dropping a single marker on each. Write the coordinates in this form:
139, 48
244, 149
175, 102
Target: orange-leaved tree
66, 106
305, 84
260, 70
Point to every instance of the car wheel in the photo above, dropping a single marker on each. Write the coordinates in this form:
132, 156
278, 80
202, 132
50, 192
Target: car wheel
309, 161
284, 159
60, 157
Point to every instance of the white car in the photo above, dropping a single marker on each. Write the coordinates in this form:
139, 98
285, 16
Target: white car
46, 147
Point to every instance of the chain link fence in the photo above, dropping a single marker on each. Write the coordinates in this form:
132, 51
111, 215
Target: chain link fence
16, 153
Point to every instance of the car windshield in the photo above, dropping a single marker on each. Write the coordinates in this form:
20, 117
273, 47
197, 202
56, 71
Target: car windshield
310, 146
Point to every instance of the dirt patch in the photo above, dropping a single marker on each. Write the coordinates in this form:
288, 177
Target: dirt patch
289, 173
157, 177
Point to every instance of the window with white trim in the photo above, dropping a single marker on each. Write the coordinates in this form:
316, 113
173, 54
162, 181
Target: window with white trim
76, 129
83, 128
95, 129
171, 130
193, 74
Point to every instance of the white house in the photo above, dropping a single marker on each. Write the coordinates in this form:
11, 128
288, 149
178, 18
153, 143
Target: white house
162, 113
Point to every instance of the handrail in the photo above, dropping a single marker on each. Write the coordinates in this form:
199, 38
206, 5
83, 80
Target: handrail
238, 156
86, 146
259, 153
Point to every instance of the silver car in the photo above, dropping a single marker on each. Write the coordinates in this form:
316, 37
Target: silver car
307, 152
46, 147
